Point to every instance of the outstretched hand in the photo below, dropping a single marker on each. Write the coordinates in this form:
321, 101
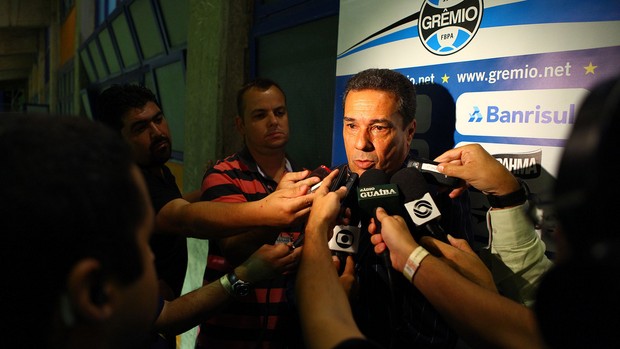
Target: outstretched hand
268, 262
291, 202
477, 168
460, 256
326, 206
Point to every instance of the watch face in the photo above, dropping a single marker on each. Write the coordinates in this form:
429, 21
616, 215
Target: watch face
239, 287
242, 289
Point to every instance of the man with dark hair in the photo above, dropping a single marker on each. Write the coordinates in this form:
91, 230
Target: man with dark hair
379, 125
133, 111
263, 318
75, 252
78, 221
379, 120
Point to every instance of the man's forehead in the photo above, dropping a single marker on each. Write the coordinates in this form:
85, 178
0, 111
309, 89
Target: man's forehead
393, 119
147, 112
256, 94
257, 100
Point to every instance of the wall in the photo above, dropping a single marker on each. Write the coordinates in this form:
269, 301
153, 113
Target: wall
507, 74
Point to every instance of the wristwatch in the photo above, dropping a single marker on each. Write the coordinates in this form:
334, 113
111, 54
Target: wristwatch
512, 199
235, 286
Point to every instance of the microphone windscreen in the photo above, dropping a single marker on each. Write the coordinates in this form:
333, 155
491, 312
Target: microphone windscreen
373, 176
375, 190
411, 183
419, 203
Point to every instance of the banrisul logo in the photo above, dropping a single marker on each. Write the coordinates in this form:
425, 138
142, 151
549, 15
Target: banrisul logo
447, 26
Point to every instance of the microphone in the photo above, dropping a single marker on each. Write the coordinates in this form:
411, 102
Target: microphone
375, 190
345, 238
419, 203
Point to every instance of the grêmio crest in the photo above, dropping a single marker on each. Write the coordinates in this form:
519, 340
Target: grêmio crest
447, 26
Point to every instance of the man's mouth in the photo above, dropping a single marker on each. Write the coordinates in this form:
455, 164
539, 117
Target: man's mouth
164, 143
274, 134
364, 164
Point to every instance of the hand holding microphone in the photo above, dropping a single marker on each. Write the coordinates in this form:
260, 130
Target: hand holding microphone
326, 206
375, 191
394, 236
478, 169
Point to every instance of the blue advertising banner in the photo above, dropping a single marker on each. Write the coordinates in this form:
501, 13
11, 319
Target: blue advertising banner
508, 74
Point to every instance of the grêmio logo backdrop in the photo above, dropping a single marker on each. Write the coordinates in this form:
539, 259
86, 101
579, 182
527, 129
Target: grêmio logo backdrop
508, 74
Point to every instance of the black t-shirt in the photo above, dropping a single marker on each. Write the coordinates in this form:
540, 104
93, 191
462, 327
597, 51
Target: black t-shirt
170, 251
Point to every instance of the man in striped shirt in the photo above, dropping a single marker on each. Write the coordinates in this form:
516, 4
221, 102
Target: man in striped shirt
263, 317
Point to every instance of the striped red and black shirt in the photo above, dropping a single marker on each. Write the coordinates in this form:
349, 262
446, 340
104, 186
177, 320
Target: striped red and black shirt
266, 318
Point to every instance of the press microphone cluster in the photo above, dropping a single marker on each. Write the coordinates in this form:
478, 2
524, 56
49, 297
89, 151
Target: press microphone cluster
374, 190
405, 194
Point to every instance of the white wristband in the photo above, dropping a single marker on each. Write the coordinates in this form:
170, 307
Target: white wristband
226, 284
413, 262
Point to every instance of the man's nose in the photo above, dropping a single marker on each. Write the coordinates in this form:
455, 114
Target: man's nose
155, 129
363, 141
272, 118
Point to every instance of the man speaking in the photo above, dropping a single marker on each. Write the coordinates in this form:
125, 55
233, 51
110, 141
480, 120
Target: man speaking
379, 125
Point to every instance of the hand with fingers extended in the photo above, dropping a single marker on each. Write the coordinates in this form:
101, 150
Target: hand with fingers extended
460, 256
479, 169
291, 202
326, 206
268, 262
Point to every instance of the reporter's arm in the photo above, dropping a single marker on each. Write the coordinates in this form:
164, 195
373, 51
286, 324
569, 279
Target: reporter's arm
189, 310
324, 308
516, 253
192, 196
482, 317
211, 219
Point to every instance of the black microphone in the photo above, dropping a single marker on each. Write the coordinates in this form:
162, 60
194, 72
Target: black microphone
419, 204
375, 190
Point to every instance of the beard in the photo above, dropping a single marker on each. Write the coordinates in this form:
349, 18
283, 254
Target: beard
160, 151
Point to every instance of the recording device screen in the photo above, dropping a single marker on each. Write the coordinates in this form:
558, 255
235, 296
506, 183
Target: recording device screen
343, 179
321, 172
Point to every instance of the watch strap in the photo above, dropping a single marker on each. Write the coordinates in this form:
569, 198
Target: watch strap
515, 198
226, 284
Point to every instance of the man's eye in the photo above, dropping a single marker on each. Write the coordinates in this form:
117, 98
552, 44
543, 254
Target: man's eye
138, 128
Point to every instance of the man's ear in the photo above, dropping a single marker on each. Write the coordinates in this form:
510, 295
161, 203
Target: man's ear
88, 292
239, 124
410, 131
